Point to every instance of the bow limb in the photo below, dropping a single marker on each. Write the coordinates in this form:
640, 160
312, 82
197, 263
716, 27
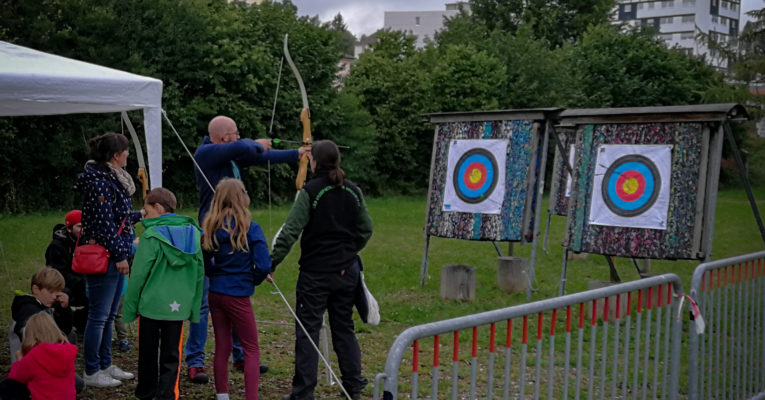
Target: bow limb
142, 177
305, 119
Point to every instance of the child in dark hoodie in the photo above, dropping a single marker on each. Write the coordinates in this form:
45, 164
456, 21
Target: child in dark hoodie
45, 362
47, 295
164, 289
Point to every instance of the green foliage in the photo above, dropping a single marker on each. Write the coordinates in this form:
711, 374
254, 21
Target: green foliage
555, 21
614, 68
213, 57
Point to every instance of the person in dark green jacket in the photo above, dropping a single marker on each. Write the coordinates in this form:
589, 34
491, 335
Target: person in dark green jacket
165, 289
332, 221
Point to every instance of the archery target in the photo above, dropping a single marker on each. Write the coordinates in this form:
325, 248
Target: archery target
631, 186
475, 176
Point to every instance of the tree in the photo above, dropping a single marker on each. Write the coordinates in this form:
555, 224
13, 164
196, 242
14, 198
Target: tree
556, 21
614, 68
346, 41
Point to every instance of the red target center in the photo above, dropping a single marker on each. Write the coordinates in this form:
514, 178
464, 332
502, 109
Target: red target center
475, 176
630, 185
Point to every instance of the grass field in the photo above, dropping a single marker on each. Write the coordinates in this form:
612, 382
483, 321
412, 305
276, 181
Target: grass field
392, 261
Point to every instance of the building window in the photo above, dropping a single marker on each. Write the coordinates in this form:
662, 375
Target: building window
689, 3
688, 18
417, 21
724, 5
733, 7
667, 37
651, 5
688, 51
628, 8
667, 20
667, 4
715, 20
714, 3
640, 6
686, 35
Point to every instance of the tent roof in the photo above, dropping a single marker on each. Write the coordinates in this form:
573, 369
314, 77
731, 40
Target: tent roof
37, 83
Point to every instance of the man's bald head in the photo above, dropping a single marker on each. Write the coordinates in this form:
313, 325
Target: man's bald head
222, 129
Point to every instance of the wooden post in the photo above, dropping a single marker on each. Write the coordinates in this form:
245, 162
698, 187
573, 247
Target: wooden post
512, 274
457, 282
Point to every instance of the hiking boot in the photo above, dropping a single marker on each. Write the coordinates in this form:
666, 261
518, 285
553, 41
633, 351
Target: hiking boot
100, 379
198, 375
116, 373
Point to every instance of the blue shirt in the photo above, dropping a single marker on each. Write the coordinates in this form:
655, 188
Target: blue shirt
220, 161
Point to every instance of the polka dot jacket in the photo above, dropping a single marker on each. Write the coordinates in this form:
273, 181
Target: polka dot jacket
105, 204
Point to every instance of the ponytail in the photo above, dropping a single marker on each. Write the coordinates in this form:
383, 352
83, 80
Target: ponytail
327, 157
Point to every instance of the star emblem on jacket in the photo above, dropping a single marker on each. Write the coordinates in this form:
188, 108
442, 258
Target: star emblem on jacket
175, 307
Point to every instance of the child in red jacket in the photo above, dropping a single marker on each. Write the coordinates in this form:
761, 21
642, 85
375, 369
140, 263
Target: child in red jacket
45, 362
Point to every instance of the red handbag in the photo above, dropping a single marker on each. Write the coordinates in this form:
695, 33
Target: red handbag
91, 259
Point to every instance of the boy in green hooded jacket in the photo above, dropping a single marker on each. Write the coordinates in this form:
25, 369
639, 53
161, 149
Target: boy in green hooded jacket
164, 289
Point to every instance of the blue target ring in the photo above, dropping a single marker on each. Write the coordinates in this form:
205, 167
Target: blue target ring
475, 176
631, 185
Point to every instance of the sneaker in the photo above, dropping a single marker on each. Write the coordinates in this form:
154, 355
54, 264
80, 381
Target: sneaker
263, 368
100, 379
123, 346
116, 373
198, 375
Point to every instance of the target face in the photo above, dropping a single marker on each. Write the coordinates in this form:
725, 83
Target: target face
475, 177
631, 185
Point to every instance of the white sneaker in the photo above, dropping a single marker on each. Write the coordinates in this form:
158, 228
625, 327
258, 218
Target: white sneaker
100, 379
116, 373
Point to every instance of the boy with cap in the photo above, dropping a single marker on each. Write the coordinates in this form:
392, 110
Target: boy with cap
58, 255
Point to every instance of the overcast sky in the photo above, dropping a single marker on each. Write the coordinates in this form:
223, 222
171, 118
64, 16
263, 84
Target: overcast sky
366, 16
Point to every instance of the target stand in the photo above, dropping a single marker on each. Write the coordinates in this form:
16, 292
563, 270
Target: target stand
486, 175
644, 181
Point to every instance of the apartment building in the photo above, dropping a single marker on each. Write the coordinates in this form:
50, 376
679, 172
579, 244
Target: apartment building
679, 23
422, 24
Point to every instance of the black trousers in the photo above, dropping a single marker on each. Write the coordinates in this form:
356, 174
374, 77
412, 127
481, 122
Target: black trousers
159, 358
316, 293
13, 390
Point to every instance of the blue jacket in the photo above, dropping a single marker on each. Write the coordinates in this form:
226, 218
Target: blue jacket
105, 204
237, 273
216, 162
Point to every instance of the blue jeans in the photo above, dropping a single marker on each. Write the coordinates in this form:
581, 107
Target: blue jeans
104, 292
195, 344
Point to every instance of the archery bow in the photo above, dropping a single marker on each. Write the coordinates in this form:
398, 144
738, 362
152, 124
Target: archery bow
142, 177
305, 119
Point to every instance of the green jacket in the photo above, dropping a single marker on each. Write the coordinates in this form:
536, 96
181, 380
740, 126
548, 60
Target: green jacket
167, 276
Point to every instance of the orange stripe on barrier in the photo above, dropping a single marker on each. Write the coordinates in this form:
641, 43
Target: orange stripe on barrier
552, 322
605, 310
509, 334
618, 306
436, 351
416, 356
594, 312
525, 329
568, 319
540, 321
650, 297
456, 347
475, 342
492, 332
669, 291
660, 297
581, 315
629, 303
640, 301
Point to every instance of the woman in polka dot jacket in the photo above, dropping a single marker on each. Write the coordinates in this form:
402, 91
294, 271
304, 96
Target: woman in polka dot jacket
106, 188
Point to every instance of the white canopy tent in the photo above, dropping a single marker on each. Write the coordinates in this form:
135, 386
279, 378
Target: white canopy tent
37, 83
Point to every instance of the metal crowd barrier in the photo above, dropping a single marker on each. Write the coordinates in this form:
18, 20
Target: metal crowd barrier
633, 349
728, 359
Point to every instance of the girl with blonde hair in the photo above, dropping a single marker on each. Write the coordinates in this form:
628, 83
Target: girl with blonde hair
45, 362
236, 260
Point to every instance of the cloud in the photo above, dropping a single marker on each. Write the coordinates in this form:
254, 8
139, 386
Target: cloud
363, 16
